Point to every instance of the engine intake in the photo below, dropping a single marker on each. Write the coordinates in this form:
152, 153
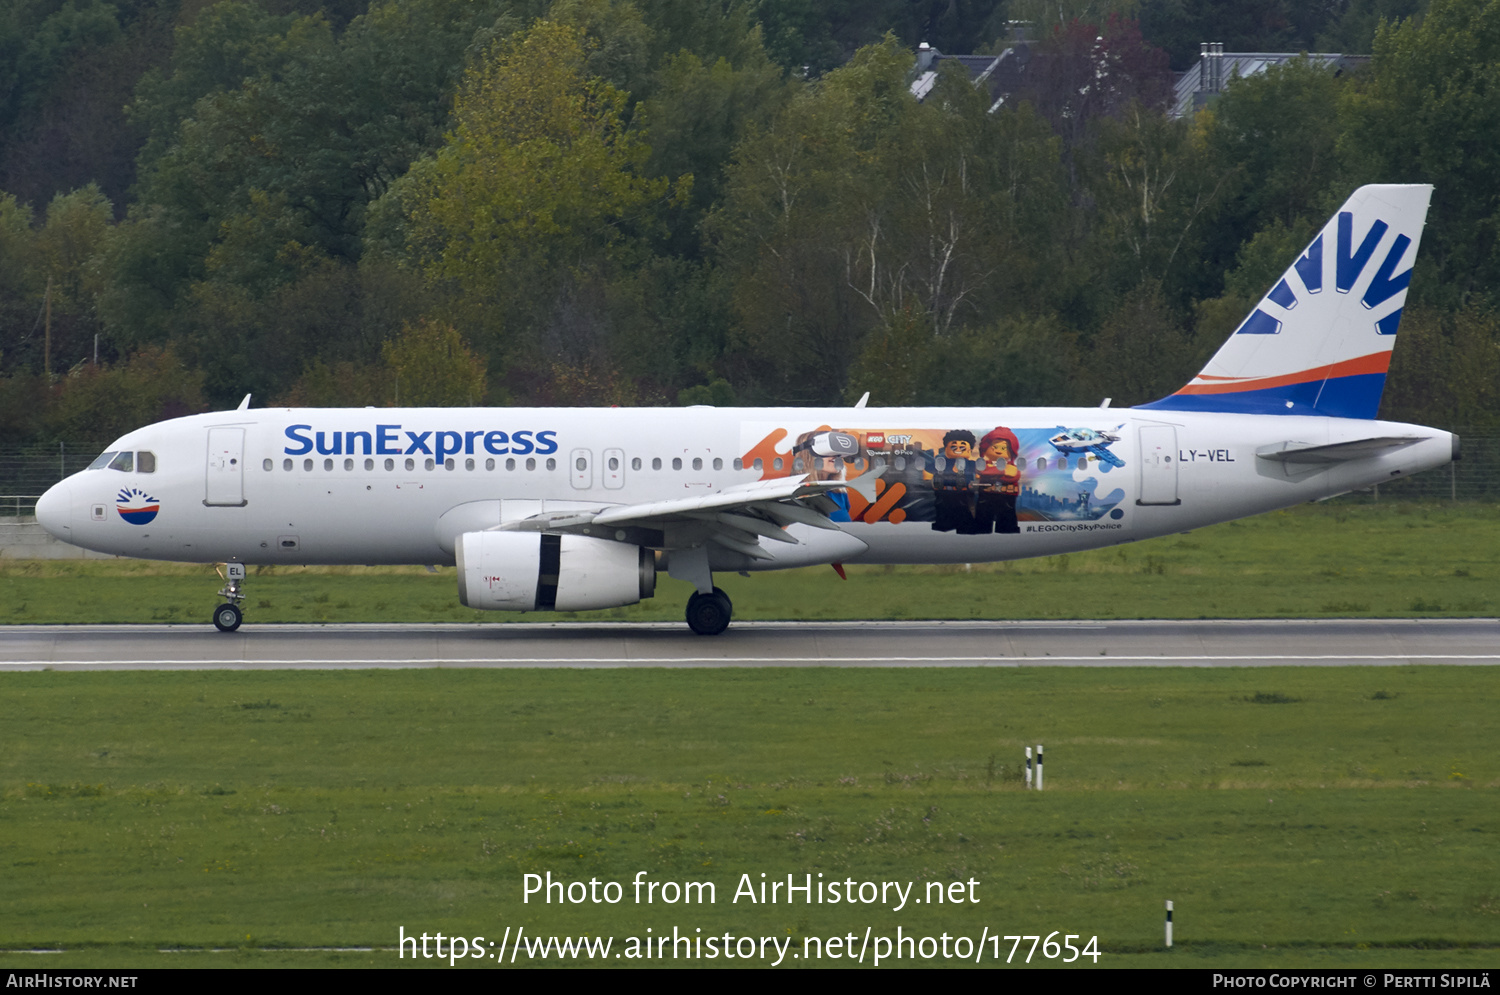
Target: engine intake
532, 571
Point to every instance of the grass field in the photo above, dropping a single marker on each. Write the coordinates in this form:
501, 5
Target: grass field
1343, 560
1332, 818
1318, 817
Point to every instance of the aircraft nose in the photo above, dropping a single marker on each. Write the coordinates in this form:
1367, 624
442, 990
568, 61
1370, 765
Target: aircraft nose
54, 510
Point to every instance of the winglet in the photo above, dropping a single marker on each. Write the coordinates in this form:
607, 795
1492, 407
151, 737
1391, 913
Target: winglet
245, 404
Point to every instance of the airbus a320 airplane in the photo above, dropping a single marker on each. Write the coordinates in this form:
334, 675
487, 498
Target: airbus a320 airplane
574, 509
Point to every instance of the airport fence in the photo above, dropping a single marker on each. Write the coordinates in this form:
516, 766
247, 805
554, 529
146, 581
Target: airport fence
24, 475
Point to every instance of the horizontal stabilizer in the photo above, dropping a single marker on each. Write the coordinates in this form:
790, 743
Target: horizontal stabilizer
1338, 452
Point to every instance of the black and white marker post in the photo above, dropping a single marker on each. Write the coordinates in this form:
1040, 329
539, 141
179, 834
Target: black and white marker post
1169, 924
1028, 768
1039, 766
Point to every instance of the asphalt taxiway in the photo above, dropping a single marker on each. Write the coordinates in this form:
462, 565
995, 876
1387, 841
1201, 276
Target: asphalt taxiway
1247, 643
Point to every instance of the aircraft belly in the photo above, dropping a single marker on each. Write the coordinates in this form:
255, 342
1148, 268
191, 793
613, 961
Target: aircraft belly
916, 543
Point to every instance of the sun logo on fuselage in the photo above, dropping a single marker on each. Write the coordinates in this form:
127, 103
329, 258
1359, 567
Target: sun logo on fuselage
135, 506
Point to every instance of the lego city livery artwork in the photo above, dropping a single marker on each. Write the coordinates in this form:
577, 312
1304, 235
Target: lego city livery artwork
966, 480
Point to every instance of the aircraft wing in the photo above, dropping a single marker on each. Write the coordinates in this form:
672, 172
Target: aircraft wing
736, 518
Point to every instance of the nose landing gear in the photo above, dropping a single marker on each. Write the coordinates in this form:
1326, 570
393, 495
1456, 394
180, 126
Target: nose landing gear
228, 616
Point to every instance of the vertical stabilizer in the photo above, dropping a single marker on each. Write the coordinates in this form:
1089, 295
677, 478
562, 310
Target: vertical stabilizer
1320, 342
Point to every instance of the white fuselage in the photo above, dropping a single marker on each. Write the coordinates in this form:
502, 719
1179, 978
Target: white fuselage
391, 486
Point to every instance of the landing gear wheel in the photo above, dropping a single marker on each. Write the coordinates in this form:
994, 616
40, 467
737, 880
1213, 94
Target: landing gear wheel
227, 617
709, 614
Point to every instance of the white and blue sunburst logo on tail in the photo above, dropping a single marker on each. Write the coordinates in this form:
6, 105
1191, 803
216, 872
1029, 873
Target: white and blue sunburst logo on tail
1320, 342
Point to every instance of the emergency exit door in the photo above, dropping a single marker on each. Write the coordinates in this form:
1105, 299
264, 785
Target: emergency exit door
224, 484
1158, 462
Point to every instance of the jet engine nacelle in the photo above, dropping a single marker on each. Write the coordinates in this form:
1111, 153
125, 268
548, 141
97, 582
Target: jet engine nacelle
533, 571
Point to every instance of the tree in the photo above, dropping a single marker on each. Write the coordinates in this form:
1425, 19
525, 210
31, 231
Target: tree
21, 280
1446, 370
103, 402
429, 365
539, 188
1083, 72
1430, 113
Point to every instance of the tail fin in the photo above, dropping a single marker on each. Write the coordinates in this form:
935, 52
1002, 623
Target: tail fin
1320, 342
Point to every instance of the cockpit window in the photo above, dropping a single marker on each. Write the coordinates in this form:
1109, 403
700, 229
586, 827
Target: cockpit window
145, 462
102, 461
123, 462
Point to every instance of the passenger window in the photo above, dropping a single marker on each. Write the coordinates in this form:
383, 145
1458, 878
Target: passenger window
489, 464
776, 463
797, 465
531, 462
390, 464
656, 463
551, 464
697, 463
582, 464
369, 464
328, 464
635, 464
348, 464
145, 462
759, 464
718, 463
411, 464
268, 464
102, 461
739, 464
427, 463
449, 464
286, 465
677, 462
510, 464
468, 464
123, 462
306, 465
614, 464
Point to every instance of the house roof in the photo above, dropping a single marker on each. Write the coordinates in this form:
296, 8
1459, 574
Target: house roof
1199, 84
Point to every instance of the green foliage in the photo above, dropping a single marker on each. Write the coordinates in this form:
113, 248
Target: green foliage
103, 402
717, 393
74, 234
1447, 369
539, 185
38, 40
340, 385
860, 212
20, 278
696, 116
431, 367
619, 202
1430, 113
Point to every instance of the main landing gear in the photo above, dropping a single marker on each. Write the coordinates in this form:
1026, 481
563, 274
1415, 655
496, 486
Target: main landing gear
228, 616
709, 614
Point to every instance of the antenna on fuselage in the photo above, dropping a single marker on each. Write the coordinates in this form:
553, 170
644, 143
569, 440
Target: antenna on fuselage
245, 404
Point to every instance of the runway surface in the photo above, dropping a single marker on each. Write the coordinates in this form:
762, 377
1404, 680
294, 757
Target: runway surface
1253, 643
